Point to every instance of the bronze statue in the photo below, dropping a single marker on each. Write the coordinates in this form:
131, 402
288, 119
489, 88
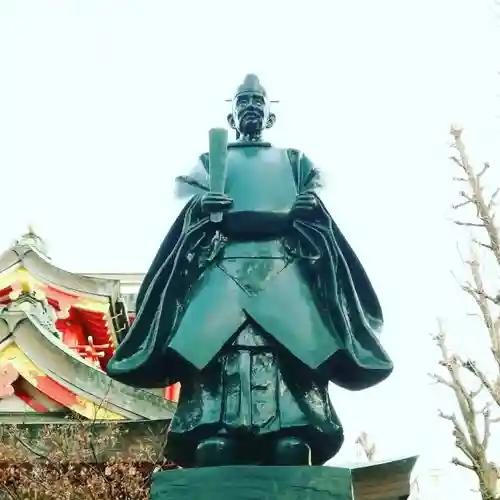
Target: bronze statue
254, 314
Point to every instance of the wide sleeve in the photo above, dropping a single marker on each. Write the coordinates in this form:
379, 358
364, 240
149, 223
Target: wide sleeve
138, 359
166, 248
185, 188
342, 287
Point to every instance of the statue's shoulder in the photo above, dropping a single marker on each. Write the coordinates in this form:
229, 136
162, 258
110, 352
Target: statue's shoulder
304, 170
294, 155
298, 159
203, 159
298, 153
196, 181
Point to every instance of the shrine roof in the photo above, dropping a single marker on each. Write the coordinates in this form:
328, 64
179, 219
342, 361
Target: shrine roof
50, 374
30, 252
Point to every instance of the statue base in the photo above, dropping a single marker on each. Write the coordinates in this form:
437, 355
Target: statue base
376, 481
253, 483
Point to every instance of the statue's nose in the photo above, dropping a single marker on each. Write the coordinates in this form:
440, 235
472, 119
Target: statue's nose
254, 109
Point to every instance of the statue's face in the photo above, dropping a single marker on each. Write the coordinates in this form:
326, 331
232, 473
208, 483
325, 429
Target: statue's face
250, 113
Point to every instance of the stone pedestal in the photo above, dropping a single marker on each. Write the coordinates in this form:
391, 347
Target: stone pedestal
253, 483
374, 481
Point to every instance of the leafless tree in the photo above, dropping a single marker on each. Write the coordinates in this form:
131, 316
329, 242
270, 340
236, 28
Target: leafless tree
74, 462
367, 446
475, 384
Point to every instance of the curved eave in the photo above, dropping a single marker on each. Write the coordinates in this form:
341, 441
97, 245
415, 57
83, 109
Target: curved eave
123, 278
49, 388
75, 374
44, 269
9, 259
385, 479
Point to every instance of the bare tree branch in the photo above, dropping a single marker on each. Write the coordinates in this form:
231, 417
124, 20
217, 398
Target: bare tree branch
486, 430
472, 423
477, 192
485, 168
368, 447
468, 224
459, 462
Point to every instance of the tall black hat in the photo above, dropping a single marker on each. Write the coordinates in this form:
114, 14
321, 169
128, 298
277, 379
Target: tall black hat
251, 83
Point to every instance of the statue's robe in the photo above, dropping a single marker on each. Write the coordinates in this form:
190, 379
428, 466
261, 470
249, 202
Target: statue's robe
256, 315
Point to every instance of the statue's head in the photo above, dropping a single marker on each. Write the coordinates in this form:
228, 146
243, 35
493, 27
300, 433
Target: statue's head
251, 114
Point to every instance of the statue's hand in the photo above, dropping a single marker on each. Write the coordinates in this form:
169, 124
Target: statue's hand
305, 205
215, 202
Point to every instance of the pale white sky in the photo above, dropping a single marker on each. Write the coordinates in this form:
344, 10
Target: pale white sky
102, 103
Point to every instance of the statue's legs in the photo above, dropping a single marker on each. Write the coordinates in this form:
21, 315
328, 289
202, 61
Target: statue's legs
291, 451
216, 451
220, 450
253, 405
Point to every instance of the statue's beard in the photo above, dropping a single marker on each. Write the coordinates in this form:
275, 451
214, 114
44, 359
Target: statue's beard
251, 125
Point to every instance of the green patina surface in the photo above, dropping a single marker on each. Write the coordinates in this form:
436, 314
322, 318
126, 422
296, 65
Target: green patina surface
255, 313
375, 481
253, 483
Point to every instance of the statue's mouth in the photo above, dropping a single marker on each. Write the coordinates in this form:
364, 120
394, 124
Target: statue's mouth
251, 114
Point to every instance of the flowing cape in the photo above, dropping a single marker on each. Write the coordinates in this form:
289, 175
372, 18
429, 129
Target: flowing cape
342, 290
